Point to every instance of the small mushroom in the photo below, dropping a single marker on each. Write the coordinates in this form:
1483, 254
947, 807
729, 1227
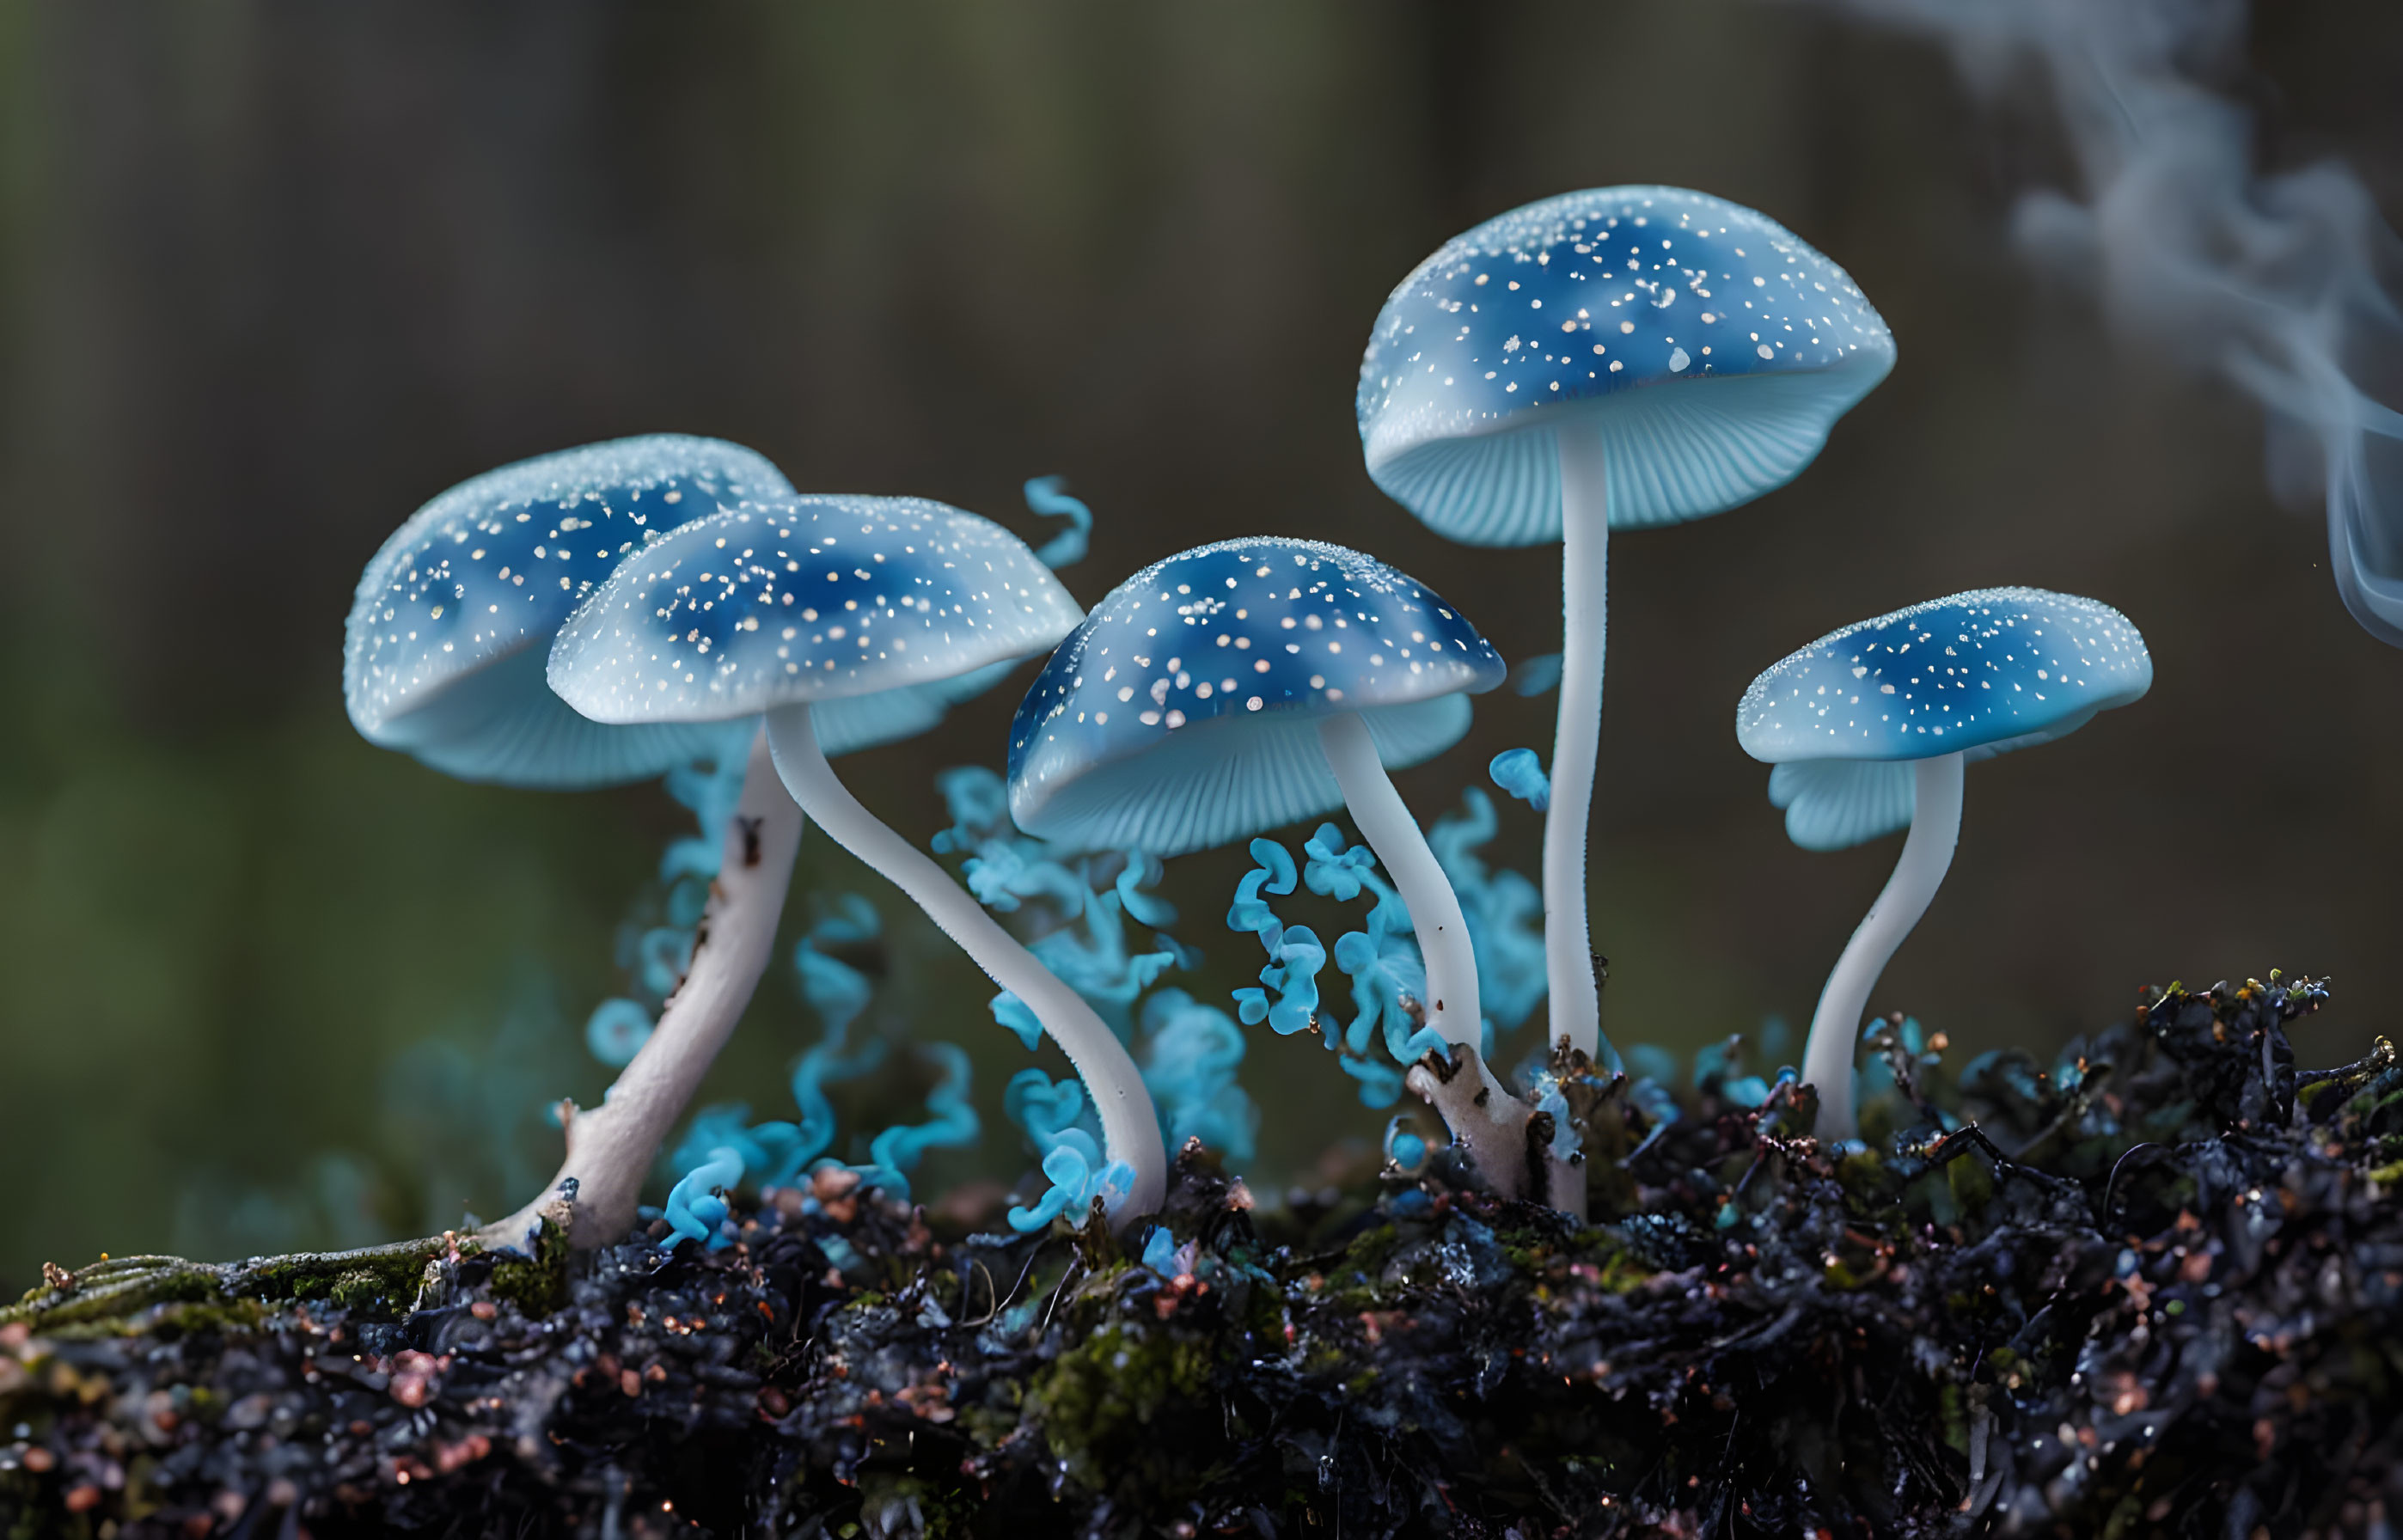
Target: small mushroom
445, 656
1516, 390
1868, 728
816, 611
1254, 683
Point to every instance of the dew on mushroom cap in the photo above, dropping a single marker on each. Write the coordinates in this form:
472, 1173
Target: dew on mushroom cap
1586, 304
1226, 655
449, 633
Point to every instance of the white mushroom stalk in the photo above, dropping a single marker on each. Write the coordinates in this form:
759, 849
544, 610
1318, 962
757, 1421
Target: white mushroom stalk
1576, 998
1836, 1025
1386, 823
610, 1148
1130, 1126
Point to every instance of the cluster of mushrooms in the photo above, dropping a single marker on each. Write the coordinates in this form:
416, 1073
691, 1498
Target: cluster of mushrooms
1617, 358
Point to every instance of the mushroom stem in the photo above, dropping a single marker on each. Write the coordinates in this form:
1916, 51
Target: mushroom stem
1130, 1126
1575, 1002
610, 1148
1835, 1026
1386, 823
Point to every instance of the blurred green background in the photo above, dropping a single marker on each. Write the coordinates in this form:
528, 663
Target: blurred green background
272, 275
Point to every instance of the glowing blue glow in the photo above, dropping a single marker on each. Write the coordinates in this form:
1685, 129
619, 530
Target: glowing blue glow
1504, 910
1046, 497
616, 1032
694, 1211
952, 1124
1191, 1051
1519, 772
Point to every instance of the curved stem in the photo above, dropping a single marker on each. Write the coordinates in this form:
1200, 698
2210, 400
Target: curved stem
1129, 1127
1575, 1004
1836, 1025
610, 1148
1386, 823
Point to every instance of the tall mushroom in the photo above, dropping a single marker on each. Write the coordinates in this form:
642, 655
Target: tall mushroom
1516, 390
805, 608
1870, 728
1255, 683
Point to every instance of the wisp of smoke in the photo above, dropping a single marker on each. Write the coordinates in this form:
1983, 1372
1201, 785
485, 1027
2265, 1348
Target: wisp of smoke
2277, 282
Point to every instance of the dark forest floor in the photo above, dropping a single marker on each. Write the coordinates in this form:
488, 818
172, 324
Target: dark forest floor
2173, 1307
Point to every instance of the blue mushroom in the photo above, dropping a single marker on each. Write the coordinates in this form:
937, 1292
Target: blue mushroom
1248, 685
1621, 358
451, 628
445, 659
1260, 682
807, 610
1868, 728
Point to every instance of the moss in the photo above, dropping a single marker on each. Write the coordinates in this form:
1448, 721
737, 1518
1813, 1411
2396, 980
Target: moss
908, 1502
102, 1301
1097, 1402
379, 1279
536, 1284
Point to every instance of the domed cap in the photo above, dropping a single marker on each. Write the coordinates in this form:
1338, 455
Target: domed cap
453, 618
1183, 713
1983, 673
1584, 304
879, 609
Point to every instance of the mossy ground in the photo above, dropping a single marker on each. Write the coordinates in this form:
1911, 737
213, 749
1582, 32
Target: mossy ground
2162, 1298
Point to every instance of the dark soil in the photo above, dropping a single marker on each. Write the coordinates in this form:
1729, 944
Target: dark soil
2165, 1297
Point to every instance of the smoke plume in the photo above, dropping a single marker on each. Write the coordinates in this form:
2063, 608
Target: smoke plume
2278, 282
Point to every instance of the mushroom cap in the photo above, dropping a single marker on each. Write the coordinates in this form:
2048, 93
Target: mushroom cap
1981, 673
1587, 304
454, 620
1183, 714
883, 611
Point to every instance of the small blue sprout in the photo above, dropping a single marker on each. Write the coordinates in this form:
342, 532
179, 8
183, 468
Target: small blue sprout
1519, 772
695, 1210
1273, 871
1405, 1148
1067, 548
1535, 675
1052, 1116
1295, 954
1382, 960
1160, 1252
616, 1032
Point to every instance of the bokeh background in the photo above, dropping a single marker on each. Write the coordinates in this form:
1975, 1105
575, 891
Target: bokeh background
272, 275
